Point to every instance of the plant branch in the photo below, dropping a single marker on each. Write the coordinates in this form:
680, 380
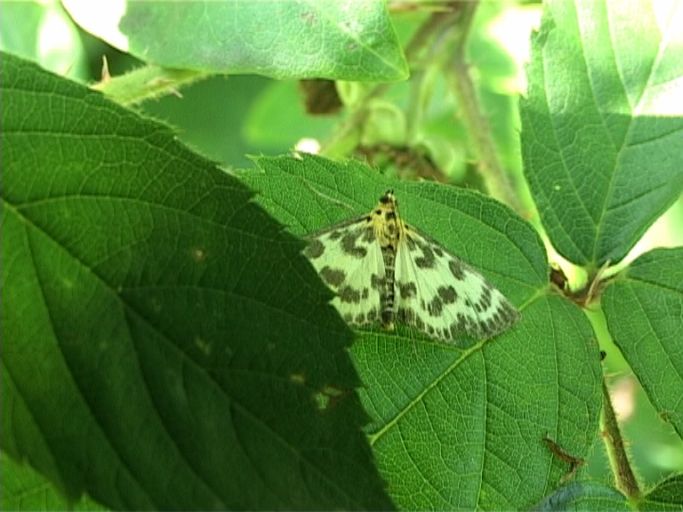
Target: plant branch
616, 452
343, 138
497, 181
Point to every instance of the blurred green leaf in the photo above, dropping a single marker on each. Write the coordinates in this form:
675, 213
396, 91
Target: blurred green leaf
668, 495
42, 32
277, 119
602, 126
164, 341
211, 115
644, 311
25, 489
493, 69
588, 496
457, 427
352, 40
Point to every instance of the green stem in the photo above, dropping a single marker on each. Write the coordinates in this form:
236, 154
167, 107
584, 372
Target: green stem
147, 82
616, 452
496, 179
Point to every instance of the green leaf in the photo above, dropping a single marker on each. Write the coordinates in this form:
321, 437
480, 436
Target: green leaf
602, 126
165, 344
41, 31
459, 427
589, 496
351, 40
644, 311
25, 489
667, 495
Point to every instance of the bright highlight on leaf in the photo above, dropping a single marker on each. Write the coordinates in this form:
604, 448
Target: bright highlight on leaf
384, 270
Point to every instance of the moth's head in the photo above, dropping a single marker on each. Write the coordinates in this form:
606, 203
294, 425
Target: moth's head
389, 199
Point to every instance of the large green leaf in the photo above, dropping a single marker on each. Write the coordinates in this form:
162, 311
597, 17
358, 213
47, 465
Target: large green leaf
351, 40
165, 344
459, 427
602, 127
644, 310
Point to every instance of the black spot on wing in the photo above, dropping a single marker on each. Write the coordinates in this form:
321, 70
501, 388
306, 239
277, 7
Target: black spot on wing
333, 277
314, 249
447, 294
500, 320
427, 260
456, 269
484, 300
407, 290
349, 294
348, 244
435, 306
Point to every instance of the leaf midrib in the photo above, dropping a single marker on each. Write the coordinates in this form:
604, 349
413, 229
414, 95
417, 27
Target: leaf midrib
420, 396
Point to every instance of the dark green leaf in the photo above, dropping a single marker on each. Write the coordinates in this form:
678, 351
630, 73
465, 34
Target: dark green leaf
25, 489
667, 495
163, 342
589, 496
459, 427
644, 310
602, 129
351, 40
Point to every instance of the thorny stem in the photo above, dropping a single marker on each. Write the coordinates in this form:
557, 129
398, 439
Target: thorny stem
496, 179
616, 452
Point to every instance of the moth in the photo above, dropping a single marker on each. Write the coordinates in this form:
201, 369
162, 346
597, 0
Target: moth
383, 270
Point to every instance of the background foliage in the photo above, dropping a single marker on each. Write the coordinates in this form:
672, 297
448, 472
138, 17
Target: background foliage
165, 344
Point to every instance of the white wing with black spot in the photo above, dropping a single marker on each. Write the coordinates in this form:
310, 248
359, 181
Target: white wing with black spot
349, 260
442, 296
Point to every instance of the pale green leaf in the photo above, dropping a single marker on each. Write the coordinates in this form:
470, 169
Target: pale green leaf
351, 40
602, 126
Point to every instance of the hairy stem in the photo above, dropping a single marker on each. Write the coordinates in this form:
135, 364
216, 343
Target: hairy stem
496, 179
616, 452
145, 83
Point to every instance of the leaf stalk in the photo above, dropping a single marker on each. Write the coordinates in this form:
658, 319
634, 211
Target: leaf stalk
496, 179
616, 451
